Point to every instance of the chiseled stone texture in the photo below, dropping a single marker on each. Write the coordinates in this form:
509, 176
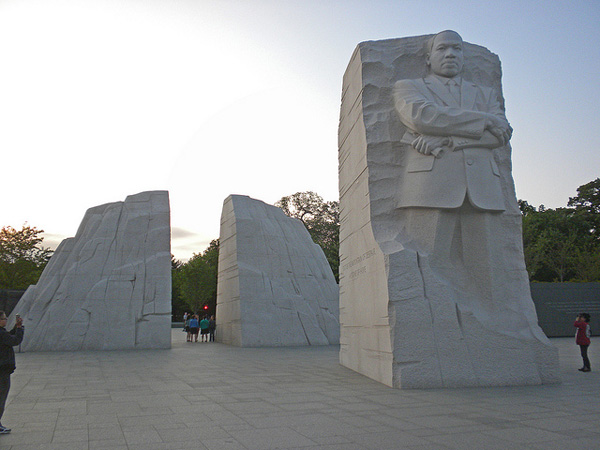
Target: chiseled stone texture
109, 287
400, 323
275, 287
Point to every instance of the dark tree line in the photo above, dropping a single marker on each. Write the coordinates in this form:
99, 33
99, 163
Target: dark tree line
194, 283
563, 244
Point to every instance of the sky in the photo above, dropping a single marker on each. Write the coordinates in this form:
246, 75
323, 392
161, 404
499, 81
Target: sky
101, 99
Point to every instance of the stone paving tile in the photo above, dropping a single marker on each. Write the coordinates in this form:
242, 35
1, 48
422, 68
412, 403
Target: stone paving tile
396, 423
559, 424
32, 426
390, 440
107, 445
524, 435
233, 428
578, 434
401, 446
473, 440
582, 442
20, 437
219, 397
183, 445
331, 440
142, 436
89, 419
66, 436
55, 446
69, 407
193, 434
222, 444
409, 414
128, 422
223, 417
111, 407
106, 433
272, 438
439, 421
25, 417
308, 406
358, 421
349, 446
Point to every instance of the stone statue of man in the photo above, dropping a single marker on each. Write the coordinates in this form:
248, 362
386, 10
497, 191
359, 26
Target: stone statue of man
453, 125
451, 187
433, 286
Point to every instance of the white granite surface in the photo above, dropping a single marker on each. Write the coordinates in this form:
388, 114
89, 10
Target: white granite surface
412, 316
275, 287
109, 287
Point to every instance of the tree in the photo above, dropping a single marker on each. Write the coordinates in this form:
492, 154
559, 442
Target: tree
178, 306
322, 220
588, 197
196, 280
587, 265
525, 207
553, 240
22, 258
563, 244
587, 202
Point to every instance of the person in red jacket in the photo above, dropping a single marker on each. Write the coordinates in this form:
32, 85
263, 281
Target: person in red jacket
582, 338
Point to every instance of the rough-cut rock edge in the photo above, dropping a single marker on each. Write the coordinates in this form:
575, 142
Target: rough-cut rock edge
315, 321
151, 326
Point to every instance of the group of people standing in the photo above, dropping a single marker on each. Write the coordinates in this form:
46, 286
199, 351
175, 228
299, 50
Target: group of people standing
194, 326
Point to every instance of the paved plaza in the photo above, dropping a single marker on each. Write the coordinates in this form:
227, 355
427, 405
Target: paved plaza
213, 396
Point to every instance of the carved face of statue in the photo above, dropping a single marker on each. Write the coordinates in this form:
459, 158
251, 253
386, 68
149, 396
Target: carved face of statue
446, 55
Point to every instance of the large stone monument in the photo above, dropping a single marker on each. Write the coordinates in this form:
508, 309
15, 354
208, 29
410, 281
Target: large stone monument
433, 287
109, 287
275, 287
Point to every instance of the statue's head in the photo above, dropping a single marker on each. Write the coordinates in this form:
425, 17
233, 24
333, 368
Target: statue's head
445, 54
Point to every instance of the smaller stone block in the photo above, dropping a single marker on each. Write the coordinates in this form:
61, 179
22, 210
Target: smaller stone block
275, 286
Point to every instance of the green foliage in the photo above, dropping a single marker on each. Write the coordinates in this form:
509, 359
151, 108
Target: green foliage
588, 197
525, 207
587, 264
322, 220
550, 241
587, 203
563, 244
178, 306
195, 282
22, 258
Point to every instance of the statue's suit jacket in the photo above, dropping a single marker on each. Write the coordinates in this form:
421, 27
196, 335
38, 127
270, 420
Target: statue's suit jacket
468, 170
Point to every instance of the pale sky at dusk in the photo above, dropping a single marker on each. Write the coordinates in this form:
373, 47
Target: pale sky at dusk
106, 98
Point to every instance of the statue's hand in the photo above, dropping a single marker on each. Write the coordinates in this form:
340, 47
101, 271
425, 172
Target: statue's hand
501, 129
431, 145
